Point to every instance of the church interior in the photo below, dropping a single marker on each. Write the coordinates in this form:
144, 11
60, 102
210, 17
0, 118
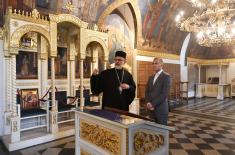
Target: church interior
49, 49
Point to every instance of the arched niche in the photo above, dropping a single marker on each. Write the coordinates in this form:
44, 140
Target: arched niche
99, 41
21, 31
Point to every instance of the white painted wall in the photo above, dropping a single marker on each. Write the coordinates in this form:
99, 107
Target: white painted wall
183, 68
231, 72
213, 71
2, 79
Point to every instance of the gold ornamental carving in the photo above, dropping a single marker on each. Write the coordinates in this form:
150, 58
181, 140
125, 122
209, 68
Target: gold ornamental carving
145, 142
100, 136
68, 18
33, 16
16, 36
1, 33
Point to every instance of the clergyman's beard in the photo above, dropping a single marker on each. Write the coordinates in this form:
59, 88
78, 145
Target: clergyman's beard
118, 67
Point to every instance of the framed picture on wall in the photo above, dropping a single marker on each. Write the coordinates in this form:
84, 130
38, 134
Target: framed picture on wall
60, 64
26, 65
86, 67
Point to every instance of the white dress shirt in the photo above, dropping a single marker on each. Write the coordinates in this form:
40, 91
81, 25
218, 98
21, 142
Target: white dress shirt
156, 76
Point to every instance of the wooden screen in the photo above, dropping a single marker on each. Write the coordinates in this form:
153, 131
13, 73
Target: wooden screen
145, 69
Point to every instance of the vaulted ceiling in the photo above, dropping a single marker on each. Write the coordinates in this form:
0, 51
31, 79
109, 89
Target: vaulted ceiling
158, 28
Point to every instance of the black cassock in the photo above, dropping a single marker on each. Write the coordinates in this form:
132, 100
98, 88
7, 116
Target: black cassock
108, 83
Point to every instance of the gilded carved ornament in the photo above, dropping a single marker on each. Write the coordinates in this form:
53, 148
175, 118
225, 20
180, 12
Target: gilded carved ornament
33, 16
68, 18
145, 142
16, 36
1, 33
102, 137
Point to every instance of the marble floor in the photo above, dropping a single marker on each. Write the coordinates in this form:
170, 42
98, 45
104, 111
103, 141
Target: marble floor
203, 127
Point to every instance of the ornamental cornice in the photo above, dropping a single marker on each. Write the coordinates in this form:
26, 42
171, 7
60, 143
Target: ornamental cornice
68, 18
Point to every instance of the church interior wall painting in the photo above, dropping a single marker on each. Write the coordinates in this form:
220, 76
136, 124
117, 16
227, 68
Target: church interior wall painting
86, 10
26, 65
120, 38
60, 64
86, 67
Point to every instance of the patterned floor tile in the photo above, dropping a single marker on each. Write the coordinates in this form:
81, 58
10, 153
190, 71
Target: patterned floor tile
201, 129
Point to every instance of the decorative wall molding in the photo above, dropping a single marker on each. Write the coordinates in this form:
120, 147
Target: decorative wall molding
158, 54
68, 18
33, 16
177, 57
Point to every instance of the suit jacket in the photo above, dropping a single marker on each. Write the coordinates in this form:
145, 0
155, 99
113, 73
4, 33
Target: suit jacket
157, 93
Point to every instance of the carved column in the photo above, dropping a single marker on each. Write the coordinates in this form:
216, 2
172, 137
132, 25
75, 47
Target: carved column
42, 49
14, 91
7, 97
53, 112
134, 107
81, 84
72, 78
9, 84
15, 119
71, 69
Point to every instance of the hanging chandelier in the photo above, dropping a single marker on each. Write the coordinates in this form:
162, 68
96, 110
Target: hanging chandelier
213, 22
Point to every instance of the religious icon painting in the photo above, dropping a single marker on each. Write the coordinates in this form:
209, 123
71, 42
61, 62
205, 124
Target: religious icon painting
86, 67
60, 64
29, 98
26, 65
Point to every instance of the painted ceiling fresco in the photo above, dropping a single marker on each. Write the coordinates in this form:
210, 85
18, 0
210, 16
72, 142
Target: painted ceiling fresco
159, 31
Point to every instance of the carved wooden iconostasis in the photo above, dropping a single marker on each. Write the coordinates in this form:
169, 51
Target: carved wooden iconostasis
47, 55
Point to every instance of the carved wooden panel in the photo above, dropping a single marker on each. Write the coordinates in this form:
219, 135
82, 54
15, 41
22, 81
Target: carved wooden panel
145, 69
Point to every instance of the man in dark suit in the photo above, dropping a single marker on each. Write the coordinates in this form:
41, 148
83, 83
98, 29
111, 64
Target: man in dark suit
156, 92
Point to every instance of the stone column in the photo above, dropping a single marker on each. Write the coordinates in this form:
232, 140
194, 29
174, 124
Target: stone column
220, 74
54, 110
81, 85
199, 74
220, 95
199, 87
